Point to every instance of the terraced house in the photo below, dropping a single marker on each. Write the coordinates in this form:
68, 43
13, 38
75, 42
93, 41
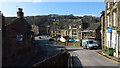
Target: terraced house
92, 32
75, 30
111, 26
17, 41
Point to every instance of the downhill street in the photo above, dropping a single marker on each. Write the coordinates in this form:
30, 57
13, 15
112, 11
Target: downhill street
83, 57
80, 57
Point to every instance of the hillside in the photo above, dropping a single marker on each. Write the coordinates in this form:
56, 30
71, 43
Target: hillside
45, 20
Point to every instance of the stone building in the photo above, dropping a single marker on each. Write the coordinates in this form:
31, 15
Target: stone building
42, 30
17, 42
35, 29
92, 32
112, 26
75, 31
55, 31
102, 20
2, 21
64, 32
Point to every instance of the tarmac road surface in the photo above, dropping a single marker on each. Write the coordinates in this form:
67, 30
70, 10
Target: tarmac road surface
82, 58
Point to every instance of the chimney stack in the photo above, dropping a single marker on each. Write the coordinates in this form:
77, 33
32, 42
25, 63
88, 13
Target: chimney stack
20, 14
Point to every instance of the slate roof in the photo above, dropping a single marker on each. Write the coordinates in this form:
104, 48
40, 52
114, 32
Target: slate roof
93, 26
19, 25
54, 27
60, 27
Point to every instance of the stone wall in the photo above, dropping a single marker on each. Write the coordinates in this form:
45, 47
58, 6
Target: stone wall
60, 60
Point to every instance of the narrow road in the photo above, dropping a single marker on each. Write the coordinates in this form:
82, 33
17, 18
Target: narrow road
82, 58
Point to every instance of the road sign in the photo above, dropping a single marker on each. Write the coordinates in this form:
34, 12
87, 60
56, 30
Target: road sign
110, 30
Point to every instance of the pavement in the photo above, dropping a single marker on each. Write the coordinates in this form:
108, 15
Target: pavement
117, 60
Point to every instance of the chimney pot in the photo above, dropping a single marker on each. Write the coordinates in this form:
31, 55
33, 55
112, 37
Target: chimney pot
20, 14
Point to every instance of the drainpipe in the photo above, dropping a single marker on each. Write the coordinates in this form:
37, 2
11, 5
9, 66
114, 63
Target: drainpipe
118, 44
110, 39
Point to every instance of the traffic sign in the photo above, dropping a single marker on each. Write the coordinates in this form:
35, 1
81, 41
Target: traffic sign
110, 30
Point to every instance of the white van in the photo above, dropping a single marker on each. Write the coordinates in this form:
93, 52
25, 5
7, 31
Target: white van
89, 44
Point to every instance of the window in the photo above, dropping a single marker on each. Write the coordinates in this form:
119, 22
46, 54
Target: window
66, 33
69, 27
74, 33
74, 26
108, 5
90, 42
108, 20
114, 1
58, 31
79, 26
114, 18
19, 38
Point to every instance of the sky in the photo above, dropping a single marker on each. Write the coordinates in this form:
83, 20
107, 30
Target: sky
31, 8
53, 0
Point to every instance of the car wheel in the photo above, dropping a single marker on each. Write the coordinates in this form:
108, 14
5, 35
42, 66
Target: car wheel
90, 48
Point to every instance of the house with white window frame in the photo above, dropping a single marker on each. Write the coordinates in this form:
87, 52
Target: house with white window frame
112, 21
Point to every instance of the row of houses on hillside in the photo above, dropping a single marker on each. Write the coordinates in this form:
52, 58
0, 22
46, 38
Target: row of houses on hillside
77, 31
17, 40
110, 26
71, 30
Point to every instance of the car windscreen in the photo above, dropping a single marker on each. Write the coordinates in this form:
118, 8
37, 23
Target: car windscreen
90, 42
96, 42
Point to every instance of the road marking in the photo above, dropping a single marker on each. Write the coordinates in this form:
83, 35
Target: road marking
106, 57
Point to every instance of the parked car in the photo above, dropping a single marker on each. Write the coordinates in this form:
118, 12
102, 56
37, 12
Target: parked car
71, 40
62, 39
